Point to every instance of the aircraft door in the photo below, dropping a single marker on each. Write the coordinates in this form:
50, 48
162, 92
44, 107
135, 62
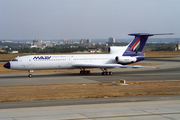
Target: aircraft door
29, 61
70, 59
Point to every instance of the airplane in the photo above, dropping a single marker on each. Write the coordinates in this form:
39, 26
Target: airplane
119, 57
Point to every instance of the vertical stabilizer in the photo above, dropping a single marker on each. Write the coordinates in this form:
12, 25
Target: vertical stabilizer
135, 47
139, 41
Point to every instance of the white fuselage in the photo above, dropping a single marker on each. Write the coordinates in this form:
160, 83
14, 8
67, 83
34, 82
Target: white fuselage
41, 62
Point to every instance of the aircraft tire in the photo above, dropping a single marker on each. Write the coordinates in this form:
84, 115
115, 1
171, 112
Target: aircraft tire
82, 72
110, 73
30, 75
85, 72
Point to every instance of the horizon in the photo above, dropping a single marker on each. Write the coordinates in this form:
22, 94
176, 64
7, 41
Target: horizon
150, 40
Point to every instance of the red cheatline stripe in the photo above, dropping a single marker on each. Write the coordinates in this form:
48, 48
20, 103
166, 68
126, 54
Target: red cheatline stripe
135, 43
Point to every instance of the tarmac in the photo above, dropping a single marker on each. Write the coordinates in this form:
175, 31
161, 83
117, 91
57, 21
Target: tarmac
130, 108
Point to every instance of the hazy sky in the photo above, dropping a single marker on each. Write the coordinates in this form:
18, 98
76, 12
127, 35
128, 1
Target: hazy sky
76, 19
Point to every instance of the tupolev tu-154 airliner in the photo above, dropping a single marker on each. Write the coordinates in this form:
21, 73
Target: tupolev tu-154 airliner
119, 57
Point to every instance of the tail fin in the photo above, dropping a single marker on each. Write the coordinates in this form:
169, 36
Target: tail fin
135, 47
139, 41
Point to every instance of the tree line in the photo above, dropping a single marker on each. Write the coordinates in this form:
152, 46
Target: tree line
55, 49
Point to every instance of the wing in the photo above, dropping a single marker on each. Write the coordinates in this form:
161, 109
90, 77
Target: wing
109, 66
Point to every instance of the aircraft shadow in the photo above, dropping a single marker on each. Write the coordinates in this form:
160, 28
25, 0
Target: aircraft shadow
50, 75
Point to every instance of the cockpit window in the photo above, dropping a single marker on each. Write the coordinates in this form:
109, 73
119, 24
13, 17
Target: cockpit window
14, 59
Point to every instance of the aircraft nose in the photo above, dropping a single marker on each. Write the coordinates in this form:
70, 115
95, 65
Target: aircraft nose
7, 65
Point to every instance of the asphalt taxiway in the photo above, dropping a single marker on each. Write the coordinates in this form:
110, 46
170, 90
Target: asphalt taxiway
130, 108
169, 70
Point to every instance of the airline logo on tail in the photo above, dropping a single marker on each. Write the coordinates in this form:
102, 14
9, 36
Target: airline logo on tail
136, 45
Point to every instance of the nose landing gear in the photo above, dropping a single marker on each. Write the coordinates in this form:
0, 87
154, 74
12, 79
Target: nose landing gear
30, 75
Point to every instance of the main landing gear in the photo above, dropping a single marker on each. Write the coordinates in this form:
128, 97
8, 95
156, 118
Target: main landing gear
105, 72
83, 71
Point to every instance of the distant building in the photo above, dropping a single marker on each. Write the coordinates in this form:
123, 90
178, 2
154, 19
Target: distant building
37, 42
93, 44
111, 40
177, 48
99, 43
13, 52
70, 42
89, 41
49, 44
60, 42
84, 41
63, 41
33, 46
7, 41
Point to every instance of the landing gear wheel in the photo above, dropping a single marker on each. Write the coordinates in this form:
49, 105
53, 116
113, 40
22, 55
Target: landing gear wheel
110, 73
30, 75
84, 72
107, 73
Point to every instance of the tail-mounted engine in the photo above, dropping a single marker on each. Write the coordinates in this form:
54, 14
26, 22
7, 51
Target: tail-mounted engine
125, 60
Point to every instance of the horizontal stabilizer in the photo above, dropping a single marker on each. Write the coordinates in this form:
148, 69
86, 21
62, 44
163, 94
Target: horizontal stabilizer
147, 34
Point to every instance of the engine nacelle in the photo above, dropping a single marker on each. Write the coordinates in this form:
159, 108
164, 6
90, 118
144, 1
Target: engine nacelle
124, 59
117, 49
